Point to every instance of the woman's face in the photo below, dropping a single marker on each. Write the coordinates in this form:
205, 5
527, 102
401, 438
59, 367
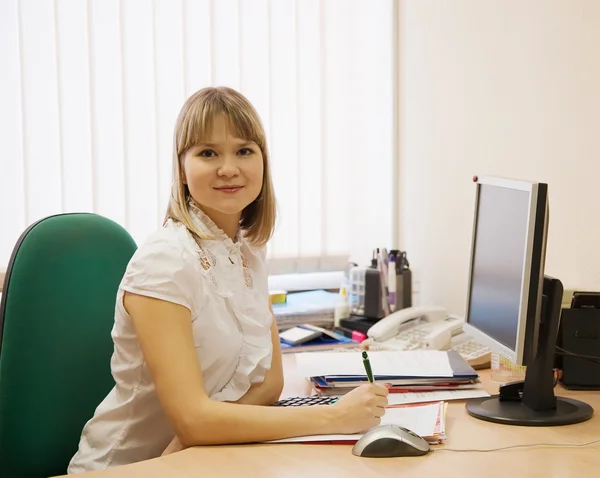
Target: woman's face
224, 174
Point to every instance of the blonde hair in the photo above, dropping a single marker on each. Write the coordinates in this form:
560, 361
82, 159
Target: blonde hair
193, 125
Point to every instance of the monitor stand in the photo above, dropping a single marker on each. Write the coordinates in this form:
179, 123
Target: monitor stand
532, 402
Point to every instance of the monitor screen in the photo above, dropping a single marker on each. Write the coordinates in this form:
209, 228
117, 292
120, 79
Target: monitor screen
499, 254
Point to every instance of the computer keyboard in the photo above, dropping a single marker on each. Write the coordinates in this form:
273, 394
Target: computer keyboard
476, 354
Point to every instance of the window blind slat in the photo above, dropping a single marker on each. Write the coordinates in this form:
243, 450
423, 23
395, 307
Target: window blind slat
139, 117
254, 56
339, 100
74, 104
107, 134
310, 129
41, 131
324, 115
225, 43
168, 88
13, 203
197, 45
284, 133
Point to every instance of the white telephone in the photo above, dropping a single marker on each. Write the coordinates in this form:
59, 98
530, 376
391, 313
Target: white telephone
426, 328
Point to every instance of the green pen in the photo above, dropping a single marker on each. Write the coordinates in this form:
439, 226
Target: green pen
367, 365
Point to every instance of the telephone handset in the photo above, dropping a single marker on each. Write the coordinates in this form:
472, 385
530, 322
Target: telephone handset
391, 325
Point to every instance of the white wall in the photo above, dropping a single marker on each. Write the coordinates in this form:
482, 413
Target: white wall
498, 87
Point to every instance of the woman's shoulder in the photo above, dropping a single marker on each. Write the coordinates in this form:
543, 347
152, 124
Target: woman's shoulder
168, 249
165, 266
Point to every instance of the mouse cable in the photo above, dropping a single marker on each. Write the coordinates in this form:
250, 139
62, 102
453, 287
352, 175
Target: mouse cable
557, 445
566, 353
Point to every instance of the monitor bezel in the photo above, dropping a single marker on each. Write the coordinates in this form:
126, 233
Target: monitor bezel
517, 355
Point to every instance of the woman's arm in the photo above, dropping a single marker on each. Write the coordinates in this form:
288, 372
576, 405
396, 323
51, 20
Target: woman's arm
165, 335
269, 390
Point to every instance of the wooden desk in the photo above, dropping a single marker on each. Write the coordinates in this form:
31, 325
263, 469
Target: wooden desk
297, 460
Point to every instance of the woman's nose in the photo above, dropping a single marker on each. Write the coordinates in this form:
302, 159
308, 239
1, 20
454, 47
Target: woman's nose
229, 168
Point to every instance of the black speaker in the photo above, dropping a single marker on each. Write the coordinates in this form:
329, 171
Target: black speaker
579, 334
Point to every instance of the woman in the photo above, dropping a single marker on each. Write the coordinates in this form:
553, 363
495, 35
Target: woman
196, 345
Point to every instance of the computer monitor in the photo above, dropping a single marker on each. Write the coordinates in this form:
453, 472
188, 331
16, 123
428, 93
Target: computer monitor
512, 306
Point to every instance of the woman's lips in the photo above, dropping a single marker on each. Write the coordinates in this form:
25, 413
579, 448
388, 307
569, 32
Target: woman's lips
229, 189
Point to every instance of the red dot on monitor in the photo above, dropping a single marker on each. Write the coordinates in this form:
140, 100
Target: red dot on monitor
475, 179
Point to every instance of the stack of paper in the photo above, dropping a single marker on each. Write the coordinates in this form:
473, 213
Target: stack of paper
426, 420
415, 376
314, 307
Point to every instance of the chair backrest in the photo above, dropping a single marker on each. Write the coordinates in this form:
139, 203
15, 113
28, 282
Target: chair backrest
56, 316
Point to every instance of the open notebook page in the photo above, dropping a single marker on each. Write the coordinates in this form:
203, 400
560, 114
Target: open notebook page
421, 420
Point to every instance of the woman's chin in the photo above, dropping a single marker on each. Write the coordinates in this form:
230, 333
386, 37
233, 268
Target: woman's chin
228, 209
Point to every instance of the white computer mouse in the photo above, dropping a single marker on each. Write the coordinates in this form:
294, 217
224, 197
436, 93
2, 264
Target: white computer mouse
388, 441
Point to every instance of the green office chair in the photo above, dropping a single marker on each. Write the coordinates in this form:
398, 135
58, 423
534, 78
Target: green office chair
56, 316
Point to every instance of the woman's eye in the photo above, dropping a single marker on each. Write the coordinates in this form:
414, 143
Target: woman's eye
245, 152
207, 153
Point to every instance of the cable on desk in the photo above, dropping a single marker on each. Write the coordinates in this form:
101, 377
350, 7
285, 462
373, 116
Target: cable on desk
555, 445
566, 353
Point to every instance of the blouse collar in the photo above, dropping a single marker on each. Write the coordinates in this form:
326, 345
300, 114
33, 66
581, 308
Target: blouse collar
208, 227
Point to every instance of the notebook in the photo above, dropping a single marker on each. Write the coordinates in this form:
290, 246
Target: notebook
414, 376
402, 395
416, 366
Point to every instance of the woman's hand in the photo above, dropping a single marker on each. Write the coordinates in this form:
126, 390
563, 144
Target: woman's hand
360, 409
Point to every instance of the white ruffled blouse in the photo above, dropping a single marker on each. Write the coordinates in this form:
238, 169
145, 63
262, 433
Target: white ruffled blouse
224, 285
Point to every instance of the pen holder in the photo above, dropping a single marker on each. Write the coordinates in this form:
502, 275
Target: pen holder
365, 296
402, 285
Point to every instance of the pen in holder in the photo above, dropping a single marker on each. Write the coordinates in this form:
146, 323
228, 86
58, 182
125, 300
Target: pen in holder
403, 280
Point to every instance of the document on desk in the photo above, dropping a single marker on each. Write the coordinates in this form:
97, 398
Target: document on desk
396, 399
426, 420
414, 363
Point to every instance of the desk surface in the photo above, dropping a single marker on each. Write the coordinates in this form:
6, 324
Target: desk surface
297, 460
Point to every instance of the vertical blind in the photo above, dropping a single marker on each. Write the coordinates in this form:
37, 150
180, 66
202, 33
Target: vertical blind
89, 92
